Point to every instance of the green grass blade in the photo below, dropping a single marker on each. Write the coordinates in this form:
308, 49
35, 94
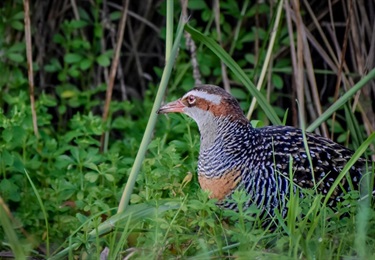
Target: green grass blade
305, 144
265, 65
116, 243
341, 101
169, 35
354, 127
362, 219
14, 243
43, 211
349, 164
236, 69
152, 120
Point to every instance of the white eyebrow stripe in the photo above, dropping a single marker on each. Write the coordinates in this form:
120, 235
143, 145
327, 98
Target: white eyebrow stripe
216, 99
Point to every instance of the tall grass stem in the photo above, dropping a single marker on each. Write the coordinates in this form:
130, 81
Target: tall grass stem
152, 120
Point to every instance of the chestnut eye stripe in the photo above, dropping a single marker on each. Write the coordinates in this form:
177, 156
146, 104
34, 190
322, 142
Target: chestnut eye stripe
215, 99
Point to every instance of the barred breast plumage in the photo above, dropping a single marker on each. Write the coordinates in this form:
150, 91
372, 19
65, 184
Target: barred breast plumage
235, 155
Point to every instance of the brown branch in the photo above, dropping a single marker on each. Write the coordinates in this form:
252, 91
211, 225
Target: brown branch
112, 75
30, 65
299, 73
293, 57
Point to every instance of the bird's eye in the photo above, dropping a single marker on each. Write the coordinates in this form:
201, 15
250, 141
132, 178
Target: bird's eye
191, 100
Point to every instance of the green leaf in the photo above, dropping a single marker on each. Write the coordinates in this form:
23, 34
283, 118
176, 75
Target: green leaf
58, 38
76, 44
63, 161
75, 153
16, 57
91, 166
19, 134
197, 5
84, 15
7, 158
81, 218
68, 93
18, 16
250, 58
91, 176
109, 177
17, 25
74, 72
17, 47
248, 37
277, 81
206, 15
98, 31
342, 138
53, 66
135, 198
9, 190
85, 64
114, 16
77, 24
18, 164
103, 60
337, 128
238, 93
72, 58
62, 76
7, 135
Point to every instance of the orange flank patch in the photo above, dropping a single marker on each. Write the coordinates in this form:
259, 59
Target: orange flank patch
219, 187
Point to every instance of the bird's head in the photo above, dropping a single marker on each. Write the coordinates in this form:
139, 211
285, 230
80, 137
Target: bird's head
204, 103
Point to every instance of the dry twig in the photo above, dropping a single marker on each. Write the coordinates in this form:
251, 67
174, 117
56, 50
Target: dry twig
120, 36
30, 66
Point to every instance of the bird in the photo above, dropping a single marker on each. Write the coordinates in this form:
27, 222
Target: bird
265, 162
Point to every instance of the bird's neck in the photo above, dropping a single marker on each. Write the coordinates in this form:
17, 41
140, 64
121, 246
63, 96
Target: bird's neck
219, 131
208, 128
223, 144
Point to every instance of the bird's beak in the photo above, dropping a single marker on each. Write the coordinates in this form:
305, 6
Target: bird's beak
172, 107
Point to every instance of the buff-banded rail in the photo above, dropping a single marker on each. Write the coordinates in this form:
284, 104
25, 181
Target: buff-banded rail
234, 155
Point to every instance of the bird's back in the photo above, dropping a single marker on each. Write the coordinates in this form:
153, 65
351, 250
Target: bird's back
258, 160
327, 158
